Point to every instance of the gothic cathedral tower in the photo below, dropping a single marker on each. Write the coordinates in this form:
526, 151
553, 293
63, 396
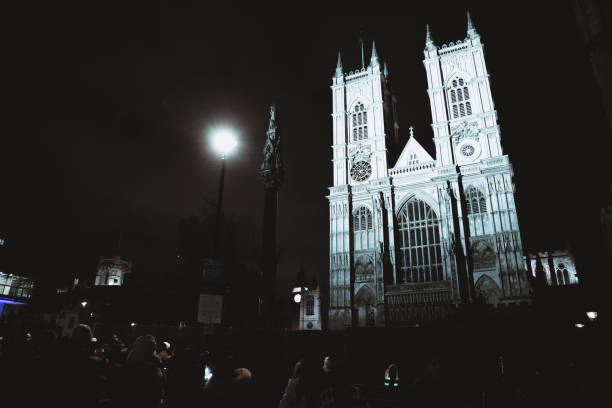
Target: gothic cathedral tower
364, 134
409, 242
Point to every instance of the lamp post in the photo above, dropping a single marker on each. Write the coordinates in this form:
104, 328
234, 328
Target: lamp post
223, 142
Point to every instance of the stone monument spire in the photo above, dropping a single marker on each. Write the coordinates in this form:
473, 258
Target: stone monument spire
272, 166
272, 174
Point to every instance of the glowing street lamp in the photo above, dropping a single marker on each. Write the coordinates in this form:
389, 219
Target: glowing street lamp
223, 142
297, 292
579, 325
592, 315
84, 304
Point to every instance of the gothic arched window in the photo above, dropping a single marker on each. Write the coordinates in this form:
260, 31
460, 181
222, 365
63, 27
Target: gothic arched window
360, 122
459, 97
475, 202
562, 275
362, 219
310, 306
420, 251
362, 229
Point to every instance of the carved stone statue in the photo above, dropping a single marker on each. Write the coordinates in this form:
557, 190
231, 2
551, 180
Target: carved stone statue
272, 167
272, 147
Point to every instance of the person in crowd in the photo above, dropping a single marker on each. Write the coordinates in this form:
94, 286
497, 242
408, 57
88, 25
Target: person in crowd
84, 380
294, 395
164, 351
335, 391
431, 388
228, 386
40, 372
117, 350
184, 376
145, 378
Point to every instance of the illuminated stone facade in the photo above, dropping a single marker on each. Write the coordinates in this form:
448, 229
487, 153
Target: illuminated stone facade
112, 270
411, 236
561, 262
310, 310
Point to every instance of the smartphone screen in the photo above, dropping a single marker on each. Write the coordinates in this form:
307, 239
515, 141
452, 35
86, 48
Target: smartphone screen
207, 373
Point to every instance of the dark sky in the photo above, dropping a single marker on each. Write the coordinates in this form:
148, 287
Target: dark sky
107, 107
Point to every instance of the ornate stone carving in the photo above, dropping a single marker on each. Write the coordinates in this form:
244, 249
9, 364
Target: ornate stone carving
364, 269
483, 256
465, 130
362, 152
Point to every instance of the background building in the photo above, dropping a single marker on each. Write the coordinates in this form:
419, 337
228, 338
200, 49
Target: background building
112, 271
310, 310
559, 267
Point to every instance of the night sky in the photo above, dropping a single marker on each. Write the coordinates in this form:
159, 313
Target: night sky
107, 108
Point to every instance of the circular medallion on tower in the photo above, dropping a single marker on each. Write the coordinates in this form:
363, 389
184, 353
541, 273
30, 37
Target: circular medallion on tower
361, 170
467, 150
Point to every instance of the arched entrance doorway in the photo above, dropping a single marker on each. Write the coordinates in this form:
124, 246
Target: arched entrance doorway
365, 302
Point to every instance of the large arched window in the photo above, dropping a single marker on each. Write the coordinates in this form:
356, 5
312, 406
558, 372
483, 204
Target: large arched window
362, 228
360, 122
459, 97
420, 251
475, 202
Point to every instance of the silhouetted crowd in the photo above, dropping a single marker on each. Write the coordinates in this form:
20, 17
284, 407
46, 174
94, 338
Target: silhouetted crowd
82, 371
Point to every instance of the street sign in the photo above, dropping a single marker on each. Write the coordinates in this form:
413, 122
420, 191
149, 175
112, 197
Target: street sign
210, 308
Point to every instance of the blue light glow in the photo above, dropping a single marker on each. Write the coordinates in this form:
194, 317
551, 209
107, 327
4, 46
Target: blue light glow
11, 302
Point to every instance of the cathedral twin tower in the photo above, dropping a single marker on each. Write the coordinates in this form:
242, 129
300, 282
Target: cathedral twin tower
413, 236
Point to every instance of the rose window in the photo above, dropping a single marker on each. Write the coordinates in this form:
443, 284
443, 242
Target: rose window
361, 170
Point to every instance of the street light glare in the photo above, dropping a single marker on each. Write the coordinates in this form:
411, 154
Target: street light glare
224, 140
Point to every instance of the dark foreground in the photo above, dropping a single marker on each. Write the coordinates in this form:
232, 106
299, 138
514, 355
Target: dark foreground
520, 358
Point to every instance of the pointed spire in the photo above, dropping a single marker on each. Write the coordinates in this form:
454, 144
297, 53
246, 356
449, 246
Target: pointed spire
339, 66
374, 59
429, 44
385, 69
471, 31
539, 272
362, 60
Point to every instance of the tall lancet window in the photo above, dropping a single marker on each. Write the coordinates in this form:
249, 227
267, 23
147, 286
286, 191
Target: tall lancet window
459, 97
562, 275
360, 122
420, 251
475, 202
362, 228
